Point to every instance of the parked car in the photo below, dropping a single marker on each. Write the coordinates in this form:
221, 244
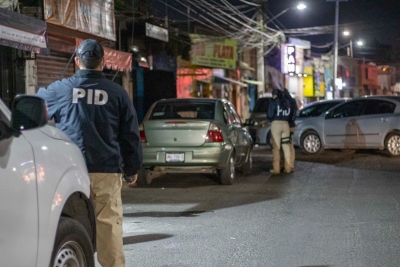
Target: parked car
196, 135
362, 123
258, 119
47, 218
307, 115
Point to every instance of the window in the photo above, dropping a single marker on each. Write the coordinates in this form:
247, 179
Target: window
379, 107
316, 109
238, 120
183, 110
348, 109
231, 119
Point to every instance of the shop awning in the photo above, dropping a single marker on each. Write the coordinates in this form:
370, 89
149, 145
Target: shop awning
222, 80
114, 59
253, 82
22, 32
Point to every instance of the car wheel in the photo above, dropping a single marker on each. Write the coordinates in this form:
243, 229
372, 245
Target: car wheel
392, 144
311, 143
72, 246
227, 174
248, 165
143, 177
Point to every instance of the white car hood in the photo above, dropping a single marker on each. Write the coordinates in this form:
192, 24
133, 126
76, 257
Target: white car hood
55, 133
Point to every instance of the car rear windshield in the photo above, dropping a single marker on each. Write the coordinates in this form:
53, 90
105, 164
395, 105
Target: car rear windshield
183, 110
262, 105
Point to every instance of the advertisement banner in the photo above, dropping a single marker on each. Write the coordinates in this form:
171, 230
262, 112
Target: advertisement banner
156, 32
23, 32
90, 16
213, 52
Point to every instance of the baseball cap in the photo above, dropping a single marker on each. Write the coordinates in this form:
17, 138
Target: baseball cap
90, 49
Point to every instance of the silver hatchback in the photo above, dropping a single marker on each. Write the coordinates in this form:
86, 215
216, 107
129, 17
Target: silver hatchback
364, 123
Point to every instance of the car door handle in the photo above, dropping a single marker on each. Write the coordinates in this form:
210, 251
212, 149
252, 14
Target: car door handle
384, 120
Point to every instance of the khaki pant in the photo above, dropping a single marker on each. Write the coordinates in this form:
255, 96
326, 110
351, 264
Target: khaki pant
106, 193
279, 130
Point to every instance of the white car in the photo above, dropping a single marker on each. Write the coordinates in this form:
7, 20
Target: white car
371, 122
47, 218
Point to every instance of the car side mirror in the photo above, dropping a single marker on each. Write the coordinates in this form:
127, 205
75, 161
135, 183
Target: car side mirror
28, 112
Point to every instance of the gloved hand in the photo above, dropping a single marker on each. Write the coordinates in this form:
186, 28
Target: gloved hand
130, 180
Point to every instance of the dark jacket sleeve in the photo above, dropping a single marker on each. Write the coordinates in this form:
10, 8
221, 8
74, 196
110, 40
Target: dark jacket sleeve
271, 110
129, 139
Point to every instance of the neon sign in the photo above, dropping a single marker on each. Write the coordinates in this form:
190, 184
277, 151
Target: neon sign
291, 60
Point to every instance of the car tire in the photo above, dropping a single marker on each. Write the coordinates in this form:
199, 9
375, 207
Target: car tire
72, 246
143, 177
311, 143
227, 174
248, 165
392, 144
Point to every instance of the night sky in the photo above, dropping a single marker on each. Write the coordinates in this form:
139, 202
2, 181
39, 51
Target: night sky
369, 20
375, 22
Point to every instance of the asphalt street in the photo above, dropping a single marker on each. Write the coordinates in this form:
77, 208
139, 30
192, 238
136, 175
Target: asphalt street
341, 208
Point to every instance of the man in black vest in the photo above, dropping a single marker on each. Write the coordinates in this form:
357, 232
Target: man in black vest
98, 115
278, 114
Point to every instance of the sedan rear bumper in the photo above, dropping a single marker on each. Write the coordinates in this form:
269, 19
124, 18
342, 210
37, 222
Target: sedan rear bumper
212, 155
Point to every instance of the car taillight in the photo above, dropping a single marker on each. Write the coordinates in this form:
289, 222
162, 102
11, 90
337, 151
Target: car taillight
143, 136
214, 134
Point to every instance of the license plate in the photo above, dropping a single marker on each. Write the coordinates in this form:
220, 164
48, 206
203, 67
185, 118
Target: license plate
174, 157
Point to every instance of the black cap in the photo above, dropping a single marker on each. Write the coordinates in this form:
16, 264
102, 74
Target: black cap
90, 49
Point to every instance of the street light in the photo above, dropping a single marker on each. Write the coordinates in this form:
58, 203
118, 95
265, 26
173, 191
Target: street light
300, 6
359, 43
260, 48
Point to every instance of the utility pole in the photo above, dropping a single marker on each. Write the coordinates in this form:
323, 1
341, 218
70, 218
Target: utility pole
260, 57
335, 65
166, 14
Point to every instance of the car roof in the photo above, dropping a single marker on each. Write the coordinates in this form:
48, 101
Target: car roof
197, 100
393, 97
338, 100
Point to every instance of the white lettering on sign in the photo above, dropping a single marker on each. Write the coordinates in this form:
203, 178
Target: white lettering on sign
291, 59
100, 96
22, 37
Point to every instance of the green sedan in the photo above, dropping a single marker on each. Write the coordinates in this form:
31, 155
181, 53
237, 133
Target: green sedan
194, 135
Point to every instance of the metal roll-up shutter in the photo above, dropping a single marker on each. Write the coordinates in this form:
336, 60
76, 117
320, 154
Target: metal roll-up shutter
50, 68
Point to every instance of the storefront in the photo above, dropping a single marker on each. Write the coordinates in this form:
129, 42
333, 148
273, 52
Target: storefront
21, 38
60, 62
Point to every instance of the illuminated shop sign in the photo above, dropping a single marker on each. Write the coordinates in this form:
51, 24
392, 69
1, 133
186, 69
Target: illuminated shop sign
291, 60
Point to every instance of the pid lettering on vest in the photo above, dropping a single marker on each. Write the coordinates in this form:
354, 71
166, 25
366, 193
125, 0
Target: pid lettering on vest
100, 97
285, 112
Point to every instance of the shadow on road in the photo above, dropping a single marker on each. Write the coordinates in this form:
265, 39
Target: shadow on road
144, 238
